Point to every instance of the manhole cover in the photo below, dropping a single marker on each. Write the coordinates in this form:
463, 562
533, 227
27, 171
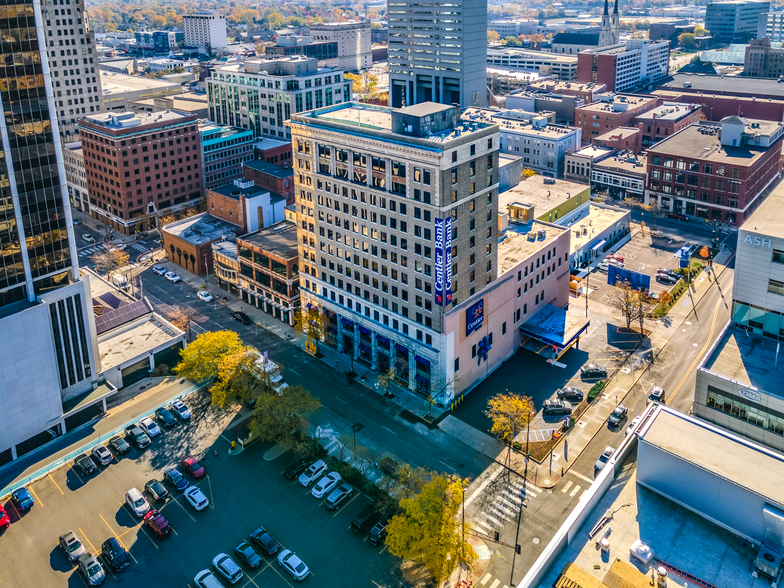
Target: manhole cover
536, 540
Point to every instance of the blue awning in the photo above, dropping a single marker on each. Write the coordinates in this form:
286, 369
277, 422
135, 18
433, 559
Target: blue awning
422, 360
364, 330
364, 348
382, 340
599, 244
348, 323
401, 348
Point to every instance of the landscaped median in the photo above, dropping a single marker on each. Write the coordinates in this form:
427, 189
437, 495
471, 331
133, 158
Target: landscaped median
687, 278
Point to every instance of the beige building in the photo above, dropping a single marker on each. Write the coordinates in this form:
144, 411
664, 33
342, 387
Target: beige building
353, 39
120, 90
75, 177
762, 60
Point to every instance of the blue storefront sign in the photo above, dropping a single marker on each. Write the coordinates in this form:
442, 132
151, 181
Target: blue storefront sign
475, 316
439, 259
448, 261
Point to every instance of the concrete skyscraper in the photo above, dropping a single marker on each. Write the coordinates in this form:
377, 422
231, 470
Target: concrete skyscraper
48, 342
76, 82
437, 52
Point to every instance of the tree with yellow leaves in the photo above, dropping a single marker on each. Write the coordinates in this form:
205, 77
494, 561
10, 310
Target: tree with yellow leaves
510, 414
202, 358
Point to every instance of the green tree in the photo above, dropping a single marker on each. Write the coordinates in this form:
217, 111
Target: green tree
201, 359
687, 40
429, 532
278, 417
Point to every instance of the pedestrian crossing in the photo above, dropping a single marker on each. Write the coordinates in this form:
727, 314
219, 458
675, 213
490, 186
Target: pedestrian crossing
101, 247
494, 584
573, 489
505, 507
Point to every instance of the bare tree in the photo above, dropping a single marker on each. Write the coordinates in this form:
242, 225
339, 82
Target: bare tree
624, 299
343, 441
108, 262
364, 458
180, 317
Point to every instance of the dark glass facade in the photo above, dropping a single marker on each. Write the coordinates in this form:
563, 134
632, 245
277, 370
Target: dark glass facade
30, 179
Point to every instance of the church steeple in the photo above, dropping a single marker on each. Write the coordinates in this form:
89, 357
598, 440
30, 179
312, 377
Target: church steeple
615, 10
607, 7
615, 25
606, 33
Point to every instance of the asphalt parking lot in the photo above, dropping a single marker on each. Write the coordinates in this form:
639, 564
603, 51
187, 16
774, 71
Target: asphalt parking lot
245, 491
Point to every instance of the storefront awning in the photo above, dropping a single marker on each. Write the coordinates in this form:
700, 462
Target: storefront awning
598, 245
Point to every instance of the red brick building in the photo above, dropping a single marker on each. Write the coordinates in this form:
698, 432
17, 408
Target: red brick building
587, 91
715, 171
624, 66
188, 242
666, 120
140, 166
271, 177
273, 151
621, 139
716, 106
619, 110
246, 205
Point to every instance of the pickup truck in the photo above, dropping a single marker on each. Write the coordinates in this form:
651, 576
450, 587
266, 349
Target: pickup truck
135, 434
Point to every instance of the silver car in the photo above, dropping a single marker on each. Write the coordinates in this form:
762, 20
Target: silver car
91, 569
71, 545
311, 474
290, 562
604, 458
227, 567
102, 455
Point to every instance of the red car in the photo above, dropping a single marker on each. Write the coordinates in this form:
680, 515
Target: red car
192, 466
157, 523
5, 522
615, 256
676, 216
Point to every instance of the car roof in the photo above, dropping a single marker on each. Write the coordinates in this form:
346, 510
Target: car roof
134, 492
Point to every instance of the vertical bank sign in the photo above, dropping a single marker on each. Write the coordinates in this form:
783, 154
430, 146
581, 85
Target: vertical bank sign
443, 253
448, 261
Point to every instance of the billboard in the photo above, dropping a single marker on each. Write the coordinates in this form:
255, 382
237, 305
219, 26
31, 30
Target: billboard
475, 316
636, 280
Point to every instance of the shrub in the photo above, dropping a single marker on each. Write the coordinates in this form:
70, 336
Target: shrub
517, 446
596, 390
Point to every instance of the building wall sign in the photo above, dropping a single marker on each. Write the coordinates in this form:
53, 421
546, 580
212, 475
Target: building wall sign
439, 259
448, 261
475, 316
752, 395
757, 242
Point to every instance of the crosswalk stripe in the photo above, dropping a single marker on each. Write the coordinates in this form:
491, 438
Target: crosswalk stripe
495, 583
489, 518
568, 485
513, 497
486, 579
500, 513
511, 511
485, 525
514, 507
575, 491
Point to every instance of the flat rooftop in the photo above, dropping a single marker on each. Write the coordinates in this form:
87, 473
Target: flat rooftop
522, 54
768, 219
518, 74
595, 152
672, 112
621, 99
520, 125
269, 168
554, 325
692, 143
267, 143
543, 197
190, 102
226, 248
676, 535
595, 219
134, 342
234, 192
279, 239
222, 131
619, 133
760, 87
116, 83
624, 163
559, 87
520, 242
201, 228
748, 359
130, 119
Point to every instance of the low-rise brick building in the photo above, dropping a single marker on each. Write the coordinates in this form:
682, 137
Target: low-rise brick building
246, 205
188, 242
271, 177
621, 139
666, 120
611, 112
273, 151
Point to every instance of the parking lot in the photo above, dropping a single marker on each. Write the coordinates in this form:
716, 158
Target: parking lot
245, 491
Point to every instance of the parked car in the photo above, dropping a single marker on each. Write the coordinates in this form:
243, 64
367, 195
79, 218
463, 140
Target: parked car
603, 266
666, 279
338, 496
206, 579
88, 238
290, 562
156, 489
389, 466
115, 555
196, 497
676, 216
5, 522
241, 317
295, 468
159, 270
618, 415
102, 455
136, 434
190, 465
614, 256
157, 523
166, 417
311, 474
172, 277
91, 569
593, 371
85, 464
227, 567
326, 484
555, 407
179, 408
76, 222
148, 426
205, 296
366, 519
247, 554
22, 500
669, 272
379, 532
175, 478
656, 395
570, 394
635, 421
604, 458
137, 502
119, 444
71, 545
266, 541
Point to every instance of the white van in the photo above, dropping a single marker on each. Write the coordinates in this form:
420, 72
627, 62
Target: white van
119, 281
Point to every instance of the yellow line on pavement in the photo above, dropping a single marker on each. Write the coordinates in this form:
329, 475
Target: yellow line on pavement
281, 575
116, 536
38, 500
56, 484
88, 539
337, 512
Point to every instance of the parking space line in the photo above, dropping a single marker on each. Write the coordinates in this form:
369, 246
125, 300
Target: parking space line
88, 540
181, 506
56, 484
337, 512
144, 532
212, 498
117, 537
281, 575
18, 514
382, 550
77, 474
37, 500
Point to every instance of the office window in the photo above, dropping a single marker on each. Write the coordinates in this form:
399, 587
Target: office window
776, 287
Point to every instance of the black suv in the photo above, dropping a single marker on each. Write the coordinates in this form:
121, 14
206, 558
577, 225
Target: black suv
85, 464
114, 554
241, 317
379, 532
366, 519
166, 417
553, 407
570, 394
295, 468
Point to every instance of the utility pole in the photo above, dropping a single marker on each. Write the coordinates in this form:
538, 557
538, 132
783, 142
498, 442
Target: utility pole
523, 493
587, 286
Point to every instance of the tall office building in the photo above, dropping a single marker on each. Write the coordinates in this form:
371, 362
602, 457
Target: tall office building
398, 222
76, 82
437, 52
206, 30
736, 20
48, 342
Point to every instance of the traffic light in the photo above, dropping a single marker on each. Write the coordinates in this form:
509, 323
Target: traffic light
517, 549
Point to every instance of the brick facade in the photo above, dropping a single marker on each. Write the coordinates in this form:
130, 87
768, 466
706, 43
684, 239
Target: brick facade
226, 208
621, 139
600, 118
278, 154
271, 177
717, 106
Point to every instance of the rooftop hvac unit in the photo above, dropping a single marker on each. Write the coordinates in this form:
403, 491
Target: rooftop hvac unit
768, 562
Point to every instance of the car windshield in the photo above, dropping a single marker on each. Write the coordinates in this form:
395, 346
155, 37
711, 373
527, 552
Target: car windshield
138, 503
604, 458
73, 546
93, 569
175, 476
194, 465
300, 567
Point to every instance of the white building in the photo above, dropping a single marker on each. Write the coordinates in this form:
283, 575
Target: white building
156, 64
542, 145
562, 66
353, 39
205, 29
634, 63
771, 25
513, 27
75, 177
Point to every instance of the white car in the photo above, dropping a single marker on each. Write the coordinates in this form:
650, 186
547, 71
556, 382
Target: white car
102, 455
227, 568
196, 497
137, 502
311, 474
205, 296
326, 484
88, 237
633, 424
290, 562
181, 410
159, 270
604, 458
150, 427
206, 579
119, 247
172, 277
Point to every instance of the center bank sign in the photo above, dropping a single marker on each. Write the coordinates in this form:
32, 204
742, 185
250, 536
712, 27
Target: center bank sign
443, 259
